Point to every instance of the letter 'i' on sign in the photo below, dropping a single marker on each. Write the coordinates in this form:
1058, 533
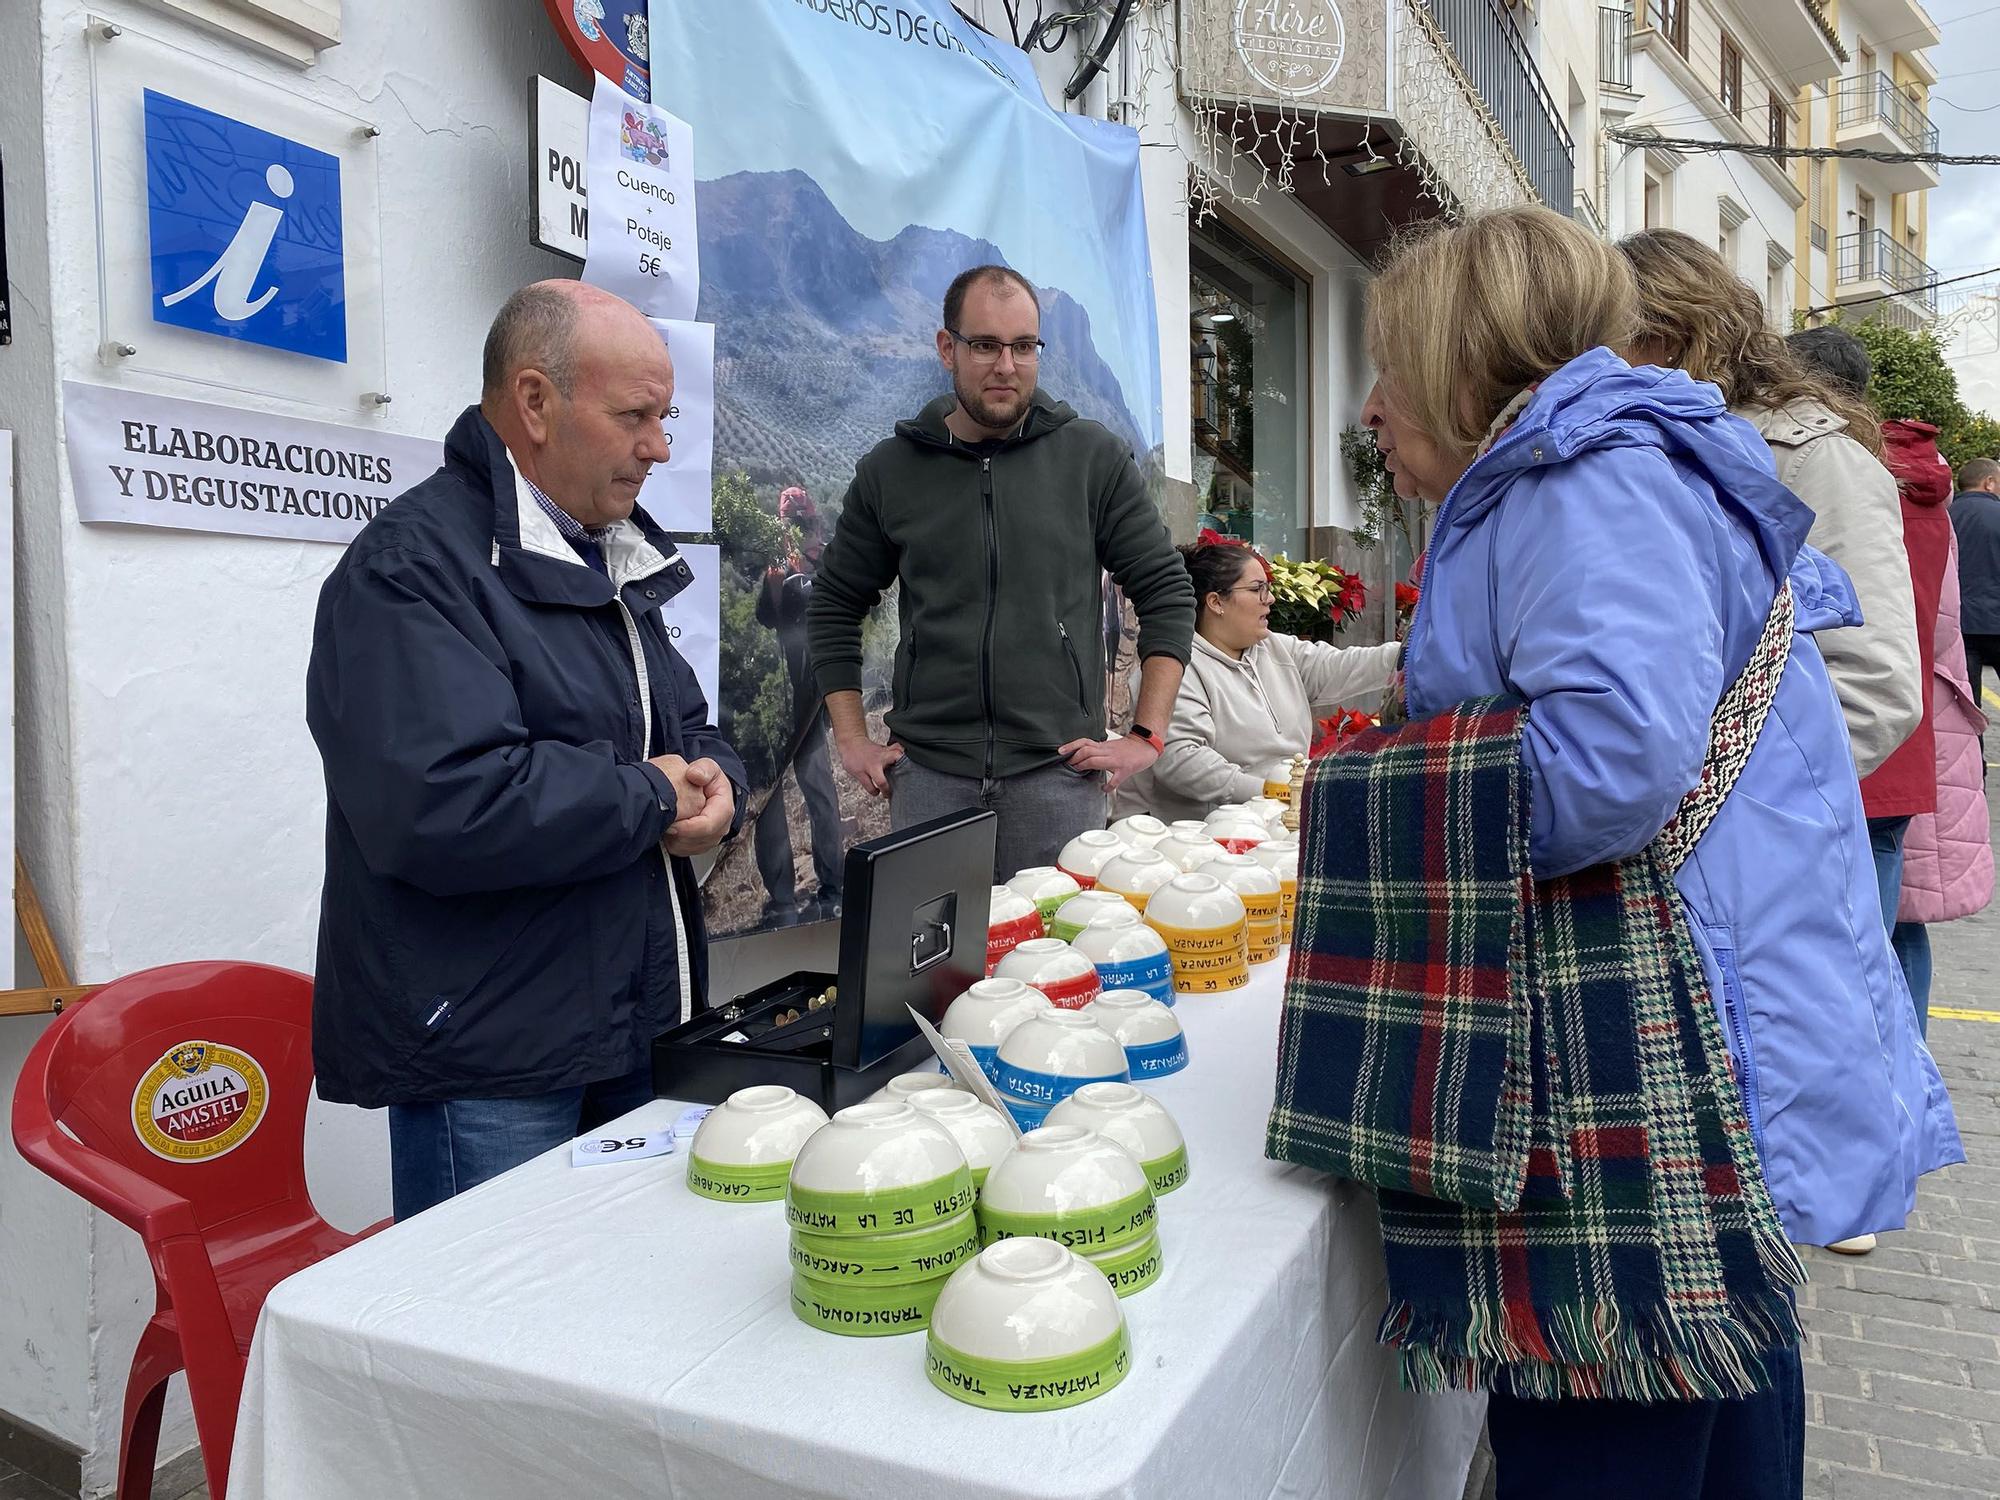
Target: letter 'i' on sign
245, 232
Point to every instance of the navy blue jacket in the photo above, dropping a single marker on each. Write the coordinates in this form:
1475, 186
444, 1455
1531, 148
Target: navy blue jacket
1975, 516
496, 919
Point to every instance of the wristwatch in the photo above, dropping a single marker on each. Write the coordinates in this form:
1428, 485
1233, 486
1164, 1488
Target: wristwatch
1141, 732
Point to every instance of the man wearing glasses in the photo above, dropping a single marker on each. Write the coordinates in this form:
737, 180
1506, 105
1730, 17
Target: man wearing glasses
998, 510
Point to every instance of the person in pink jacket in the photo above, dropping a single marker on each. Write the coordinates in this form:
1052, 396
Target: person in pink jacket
1947, 854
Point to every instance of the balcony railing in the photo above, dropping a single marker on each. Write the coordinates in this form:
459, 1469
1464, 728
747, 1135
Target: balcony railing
1497, 60
1874, 255
1587, 215
1614, 46
1873, 97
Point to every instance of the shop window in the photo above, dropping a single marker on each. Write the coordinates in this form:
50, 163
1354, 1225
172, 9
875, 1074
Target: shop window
1249, 368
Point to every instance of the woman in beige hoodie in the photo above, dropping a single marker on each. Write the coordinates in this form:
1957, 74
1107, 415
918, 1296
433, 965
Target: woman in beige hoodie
1249, 698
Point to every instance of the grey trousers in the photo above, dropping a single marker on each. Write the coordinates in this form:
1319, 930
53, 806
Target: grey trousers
1040, 811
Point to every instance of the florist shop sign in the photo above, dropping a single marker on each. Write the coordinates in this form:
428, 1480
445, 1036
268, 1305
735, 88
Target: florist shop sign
1327, 56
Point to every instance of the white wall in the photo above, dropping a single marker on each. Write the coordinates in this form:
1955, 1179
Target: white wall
193, 786
44, 1230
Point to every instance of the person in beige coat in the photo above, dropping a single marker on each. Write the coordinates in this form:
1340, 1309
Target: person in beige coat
1697, 315
1250, 696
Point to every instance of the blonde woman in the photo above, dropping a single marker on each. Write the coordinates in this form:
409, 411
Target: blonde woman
1697, 315
1608, 548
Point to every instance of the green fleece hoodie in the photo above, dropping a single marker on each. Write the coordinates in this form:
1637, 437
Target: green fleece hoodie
999, 548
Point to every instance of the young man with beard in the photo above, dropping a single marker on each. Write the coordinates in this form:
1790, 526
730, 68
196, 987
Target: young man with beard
998, 510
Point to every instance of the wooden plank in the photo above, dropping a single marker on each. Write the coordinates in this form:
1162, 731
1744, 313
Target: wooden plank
41, 1002
35, 927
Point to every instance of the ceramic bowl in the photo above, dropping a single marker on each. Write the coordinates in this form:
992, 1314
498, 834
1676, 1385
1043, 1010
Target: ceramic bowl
1281, 857
1075, 913
1056, 969
1046, 886
1129, 955
1070, 1185
1083, 856
1013, 920
980, 1132
903, 1086
985, 1013
1135, 1120
1190, 851
863, 1311
1237, 831
1270, 811
1131, 1268
1207, 932
1049, 1056
743, 1151
877, 1168
927, 1254
1263, 897
1136, 874
1027, 1326
1146, 1029
1140, 830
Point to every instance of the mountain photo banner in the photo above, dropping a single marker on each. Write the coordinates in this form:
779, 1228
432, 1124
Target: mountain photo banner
852, 157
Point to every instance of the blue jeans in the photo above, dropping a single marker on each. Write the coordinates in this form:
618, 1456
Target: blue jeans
1752, 1448
441, 1149
1912, 942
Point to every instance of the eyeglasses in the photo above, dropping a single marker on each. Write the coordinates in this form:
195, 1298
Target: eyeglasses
1261, 590
1026, 351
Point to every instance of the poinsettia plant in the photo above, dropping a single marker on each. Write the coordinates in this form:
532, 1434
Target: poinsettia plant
1338, 727
1313, 600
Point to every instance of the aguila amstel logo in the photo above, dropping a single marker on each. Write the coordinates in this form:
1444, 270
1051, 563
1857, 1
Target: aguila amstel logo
202, 1100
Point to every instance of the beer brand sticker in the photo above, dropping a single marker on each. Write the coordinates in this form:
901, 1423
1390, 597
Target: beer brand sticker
202, 1100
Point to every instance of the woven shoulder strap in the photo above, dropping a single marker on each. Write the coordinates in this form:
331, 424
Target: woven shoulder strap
1732, 733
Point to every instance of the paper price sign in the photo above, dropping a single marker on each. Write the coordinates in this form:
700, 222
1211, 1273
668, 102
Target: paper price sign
640, 178
589, 1150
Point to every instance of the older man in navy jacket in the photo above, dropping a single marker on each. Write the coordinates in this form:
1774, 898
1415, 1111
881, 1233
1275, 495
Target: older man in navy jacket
519, 766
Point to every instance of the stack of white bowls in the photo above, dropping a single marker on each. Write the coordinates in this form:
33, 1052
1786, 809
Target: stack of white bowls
1281, 857
1136, 874
1238, 830
1188, 845
1046, 886
1048, 1057
1135, 1120
985, 1013
880, 1208
1128, 954
1263, 898
1056, 969
1207, 932
1146, 1029
904, 1085
743, 1149
1027, 1326
1082, 1190
980, 1132
1012, 920
1083, 856
1075, 914
1140, 830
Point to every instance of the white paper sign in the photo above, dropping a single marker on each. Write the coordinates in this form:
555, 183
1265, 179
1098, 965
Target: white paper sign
965, 1070
155, 461
589, 1150
689, 1120
640, 179
562, 127
693, 618
680, 493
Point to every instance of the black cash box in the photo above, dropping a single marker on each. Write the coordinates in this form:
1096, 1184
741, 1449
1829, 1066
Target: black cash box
912, 934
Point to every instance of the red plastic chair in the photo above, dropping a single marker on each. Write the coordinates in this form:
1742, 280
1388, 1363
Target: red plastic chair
175, 1100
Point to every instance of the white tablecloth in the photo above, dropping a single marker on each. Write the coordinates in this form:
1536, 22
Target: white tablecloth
602, 1332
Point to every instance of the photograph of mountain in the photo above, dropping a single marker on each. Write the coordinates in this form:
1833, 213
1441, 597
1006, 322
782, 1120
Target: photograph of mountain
824, 341
823, 336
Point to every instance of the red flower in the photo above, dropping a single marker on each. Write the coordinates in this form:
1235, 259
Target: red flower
1210, 537
1353, 594
1340, 725
1406, 598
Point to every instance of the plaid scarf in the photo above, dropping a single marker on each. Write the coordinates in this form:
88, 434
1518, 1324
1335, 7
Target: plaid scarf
1531, 1072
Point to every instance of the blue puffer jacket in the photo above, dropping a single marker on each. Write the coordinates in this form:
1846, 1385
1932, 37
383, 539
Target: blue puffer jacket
1612, 561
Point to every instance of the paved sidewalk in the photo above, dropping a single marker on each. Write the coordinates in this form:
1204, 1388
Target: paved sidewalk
1903, 1356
